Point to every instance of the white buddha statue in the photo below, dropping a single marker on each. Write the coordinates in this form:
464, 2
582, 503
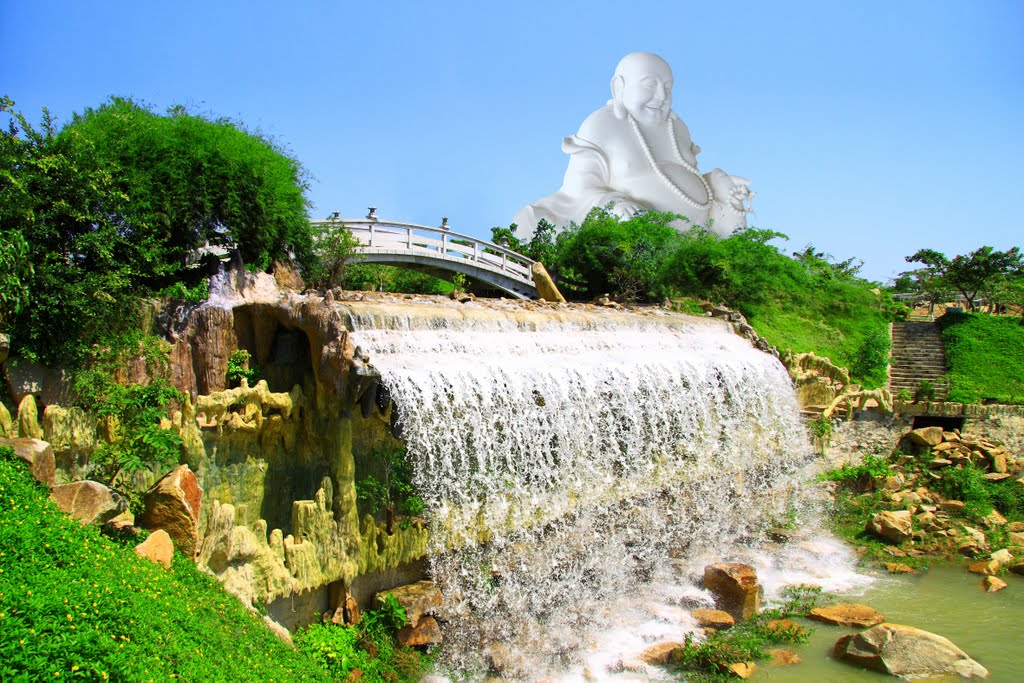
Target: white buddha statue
637, 154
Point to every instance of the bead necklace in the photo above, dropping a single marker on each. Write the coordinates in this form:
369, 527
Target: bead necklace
679, 155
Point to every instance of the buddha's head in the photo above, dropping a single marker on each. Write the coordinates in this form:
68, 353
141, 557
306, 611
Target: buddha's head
642, 86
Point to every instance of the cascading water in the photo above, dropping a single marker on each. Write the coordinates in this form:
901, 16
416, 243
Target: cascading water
579, 470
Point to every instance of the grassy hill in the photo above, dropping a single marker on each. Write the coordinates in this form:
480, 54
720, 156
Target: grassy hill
984, 357
76, 604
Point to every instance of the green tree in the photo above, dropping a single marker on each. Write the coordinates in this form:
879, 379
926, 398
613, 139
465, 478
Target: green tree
333, 247
192, 180
114, 205
972, 274
625, 259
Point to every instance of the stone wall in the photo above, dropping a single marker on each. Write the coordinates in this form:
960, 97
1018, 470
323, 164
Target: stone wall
875, 432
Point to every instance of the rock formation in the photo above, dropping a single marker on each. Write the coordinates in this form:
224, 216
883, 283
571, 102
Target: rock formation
907, 652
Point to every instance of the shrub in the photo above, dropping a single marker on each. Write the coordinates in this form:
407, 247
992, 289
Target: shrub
239, 369
872, 467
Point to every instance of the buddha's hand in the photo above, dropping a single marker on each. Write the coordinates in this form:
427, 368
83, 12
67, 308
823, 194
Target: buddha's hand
625, 208
731, 190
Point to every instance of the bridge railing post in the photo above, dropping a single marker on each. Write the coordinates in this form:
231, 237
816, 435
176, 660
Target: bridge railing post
504, 262
444, 244
408, 238
371, 234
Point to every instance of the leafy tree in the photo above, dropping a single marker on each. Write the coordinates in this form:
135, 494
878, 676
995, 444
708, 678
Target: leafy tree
114, 205
981, 271
58, 201
542, 245
625, 259
825, 266
333, 247
927, 283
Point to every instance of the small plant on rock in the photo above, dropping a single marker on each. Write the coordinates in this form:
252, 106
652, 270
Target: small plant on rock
239, 368
393, 490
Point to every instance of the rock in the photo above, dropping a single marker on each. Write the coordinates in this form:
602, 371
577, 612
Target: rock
277, 629
1016, 538
984, 567
998, 461
907, 652
742, 670
1015, 526
735, 588
939, 463
1002, 556
90, 502
926, 436
419, 599
781, 656
851, 614
6, 423
893, 482
950, 436
784, 626
37, 455
546, 288
891, 525
425, 632
952, 506
659, 654
172, 504
1017, 568
994, 519
287, 276
28, 418
899, 568
713, 618
157, 548
995, 476
991, 584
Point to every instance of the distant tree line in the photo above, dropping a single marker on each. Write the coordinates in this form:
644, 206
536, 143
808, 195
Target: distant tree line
997, 277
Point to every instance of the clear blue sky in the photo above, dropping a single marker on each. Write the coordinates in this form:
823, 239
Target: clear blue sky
869, 129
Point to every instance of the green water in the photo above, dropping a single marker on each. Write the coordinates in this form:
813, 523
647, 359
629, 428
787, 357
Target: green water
944, 600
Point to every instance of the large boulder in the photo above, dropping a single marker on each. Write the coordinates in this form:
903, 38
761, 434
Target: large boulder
895, 526
37, 455
425, 632
172, 504
735, 588
90, 502
419, 599
926, 436
713, 618
157, 548
860, 616
907, 652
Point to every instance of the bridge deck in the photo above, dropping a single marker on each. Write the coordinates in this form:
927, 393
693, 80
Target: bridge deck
439, 248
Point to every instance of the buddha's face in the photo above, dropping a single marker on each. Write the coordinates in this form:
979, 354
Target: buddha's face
643, 85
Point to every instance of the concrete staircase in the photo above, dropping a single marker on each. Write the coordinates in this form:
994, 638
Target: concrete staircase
917, 354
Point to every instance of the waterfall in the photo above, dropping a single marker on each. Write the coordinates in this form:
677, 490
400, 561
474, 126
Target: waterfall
579, 469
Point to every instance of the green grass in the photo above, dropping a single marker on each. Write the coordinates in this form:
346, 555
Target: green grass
842, 329
76, 604
985, 357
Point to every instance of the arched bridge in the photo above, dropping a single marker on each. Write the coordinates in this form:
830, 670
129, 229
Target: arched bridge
433, 249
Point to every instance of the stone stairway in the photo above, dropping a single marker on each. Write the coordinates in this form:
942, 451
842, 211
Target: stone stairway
917, 354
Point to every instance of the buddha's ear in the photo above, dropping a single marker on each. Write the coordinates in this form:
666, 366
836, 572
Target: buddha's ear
618, 83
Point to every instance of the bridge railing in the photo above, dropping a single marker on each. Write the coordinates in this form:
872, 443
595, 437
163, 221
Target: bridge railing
386, 236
